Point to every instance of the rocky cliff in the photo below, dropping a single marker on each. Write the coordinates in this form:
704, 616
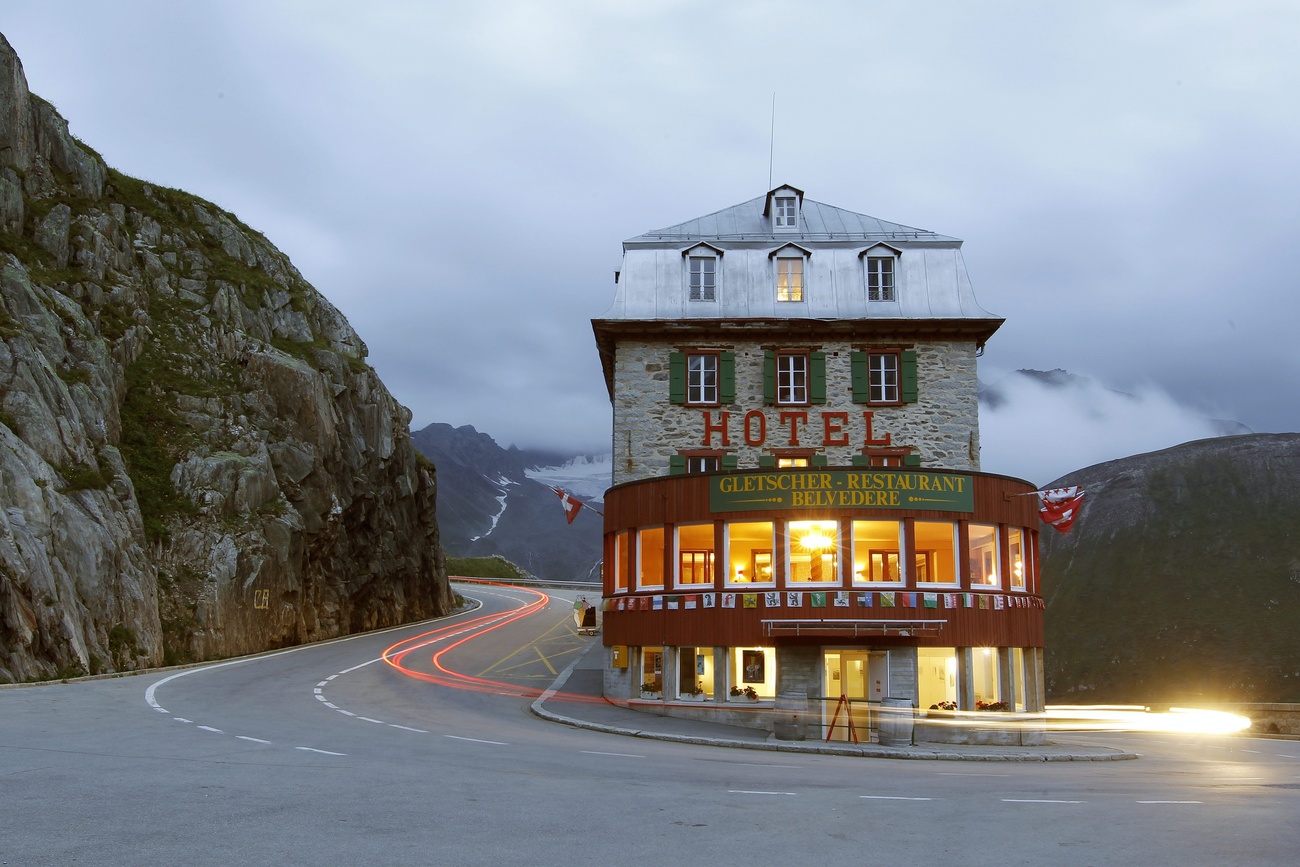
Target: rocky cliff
1180, 580
195, 459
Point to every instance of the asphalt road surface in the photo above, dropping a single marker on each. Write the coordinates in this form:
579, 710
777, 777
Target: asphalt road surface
327, 754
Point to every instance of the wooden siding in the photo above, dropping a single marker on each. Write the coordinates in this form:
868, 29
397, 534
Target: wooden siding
743, 627
666, 501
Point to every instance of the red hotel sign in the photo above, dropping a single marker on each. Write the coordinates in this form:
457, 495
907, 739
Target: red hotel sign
794, 423
847, 489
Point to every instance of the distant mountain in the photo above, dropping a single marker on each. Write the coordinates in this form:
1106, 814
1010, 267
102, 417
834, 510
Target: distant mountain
493, 500
1181, 578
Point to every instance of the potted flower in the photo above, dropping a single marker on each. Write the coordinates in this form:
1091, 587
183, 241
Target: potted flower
693, 693
992, 705
747, 692
652, 689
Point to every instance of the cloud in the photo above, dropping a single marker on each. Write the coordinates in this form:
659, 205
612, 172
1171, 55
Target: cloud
1039, 427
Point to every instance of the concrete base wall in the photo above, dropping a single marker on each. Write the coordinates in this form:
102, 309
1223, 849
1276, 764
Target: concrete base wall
993, 729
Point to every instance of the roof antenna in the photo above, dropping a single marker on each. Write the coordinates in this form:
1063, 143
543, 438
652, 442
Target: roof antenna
771, 142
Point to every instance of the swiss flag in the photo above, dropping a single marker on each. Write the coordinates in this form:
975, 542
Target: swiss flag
1060, 506
571, 504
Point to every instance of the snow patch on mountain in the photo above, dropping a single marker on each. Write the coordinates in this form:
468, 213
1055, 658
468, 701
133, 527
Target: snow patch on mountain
503, 485
585, 476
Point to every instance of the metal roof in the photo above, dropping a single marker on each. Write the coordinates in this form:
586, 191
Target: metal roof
817, 222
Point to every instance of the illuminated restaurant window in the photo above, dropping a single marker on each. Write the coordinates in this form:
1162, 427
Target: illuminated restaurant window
935, 561
1018, 675
622, 560
1016, 551
813, 552
695, 671
749, 553
876, 552
650, 558
694, 554
982, 556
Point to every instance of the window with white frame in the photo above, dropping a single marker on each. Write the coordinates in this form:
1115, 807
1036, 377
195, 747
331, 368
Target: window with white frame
791, 378
880, 278
882, 377
785, 212
703, 278
702, 463
789, 278
702, 378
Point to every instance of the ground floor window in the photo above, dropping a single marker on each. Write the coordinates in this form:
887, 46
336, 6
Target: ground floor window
982, 555
936, 677
652, 670
695, 672
753, 669
1018, 677
984, 677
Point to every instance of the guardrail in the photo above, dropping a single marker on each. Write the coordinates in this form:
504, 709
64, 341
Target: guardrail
532, 582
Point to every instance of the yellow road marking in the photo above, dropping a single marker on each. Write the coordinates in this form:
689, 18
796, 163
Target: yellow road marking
545, 661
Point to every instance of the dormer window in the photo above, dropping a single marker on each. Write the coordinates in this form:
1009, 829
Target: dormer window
789, 262
702, 272
703, 278
878, 267
785, 213
789, 279
782, 207
880, 278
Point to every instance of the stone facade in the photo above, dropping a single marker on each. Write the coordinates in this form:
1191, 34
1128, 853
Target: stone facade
942, 427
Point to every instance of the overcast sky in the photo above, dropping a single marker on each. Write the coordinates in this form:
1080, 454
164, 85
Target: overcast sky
457, 177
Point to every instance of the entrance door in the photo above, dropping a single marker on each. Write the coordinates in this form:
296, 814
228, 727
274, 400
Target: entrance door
851, 674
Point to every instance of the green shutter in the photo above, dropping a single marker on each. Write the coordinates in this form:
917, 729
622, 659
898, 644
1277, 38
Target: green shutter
727, 377
767, 462
677, 377
817, 377
730, 462
769, 377
676, 465
818, 461
858, 372
912, 460
908, 360
861, 461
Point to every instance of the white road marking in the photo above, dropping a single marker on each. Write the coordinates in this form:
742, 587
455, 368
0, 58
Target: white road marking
348, 712
1170, 802
752, 792
362, 665
953, 774
182, 719
473, 740
1038, 801
254, 740
409, 729
892, 798
368, 719
211, 729
317, 690
1248, 751
620, 755
322, 752
331, 677
757, 765
329, 704
1285, 756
